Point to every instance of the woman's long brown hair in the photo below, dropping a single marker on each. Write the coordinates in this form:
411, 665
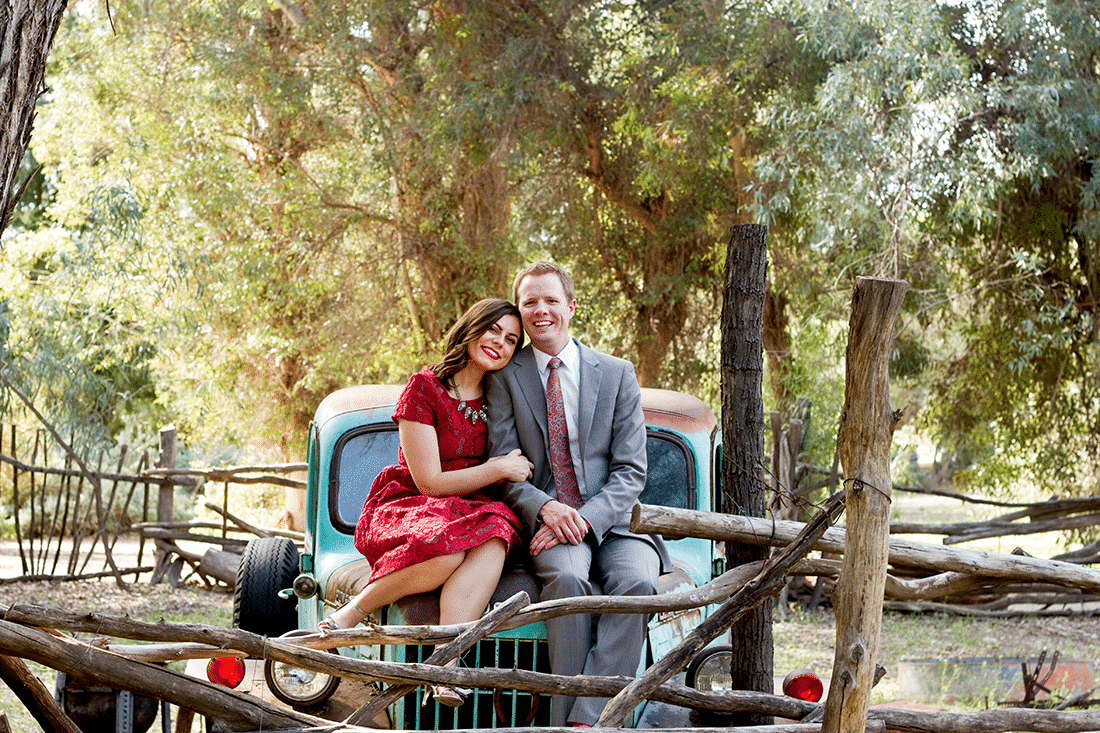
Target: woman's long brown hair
474, 322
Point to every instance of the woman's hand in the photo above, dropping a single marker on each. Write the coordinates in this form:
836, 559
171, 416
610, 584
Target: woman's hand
512, 467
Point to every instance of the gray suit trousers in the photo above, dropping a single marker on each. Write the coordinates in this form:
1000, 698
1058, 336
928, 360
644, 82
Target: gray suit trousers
601, 644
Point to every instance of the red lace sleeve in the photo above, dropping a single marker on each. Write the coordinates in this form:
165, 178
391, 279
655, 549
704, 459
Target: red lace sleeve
417, 401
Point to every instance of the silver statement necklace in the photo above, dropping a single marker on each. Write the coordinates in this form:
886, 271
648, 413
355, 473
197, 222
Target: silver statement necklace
468, 412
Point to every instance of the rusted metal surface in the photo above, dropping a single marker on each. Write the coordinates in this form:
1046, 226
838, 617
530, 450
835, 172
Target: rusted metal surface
677, 411
360, 397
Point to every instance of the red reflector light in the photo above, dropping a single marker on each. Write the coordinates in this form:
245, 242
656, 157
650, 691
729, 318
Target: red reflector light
225, 671
802, 684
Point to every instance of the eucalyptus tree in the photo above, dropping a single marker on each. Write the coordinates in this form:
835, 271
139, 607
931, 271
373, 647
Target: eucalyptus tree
67, 348
652, 122
952, 146
337, 182
329, 182
1022, 392
647, 116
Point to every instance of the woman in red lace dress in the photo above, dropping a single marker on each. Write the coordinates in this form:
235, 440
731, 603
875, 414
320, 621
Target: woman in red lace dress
427, 522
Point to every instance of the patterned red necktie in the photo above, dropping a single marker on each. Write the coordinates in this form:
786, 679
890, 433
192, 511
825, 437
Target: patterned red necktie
561, 462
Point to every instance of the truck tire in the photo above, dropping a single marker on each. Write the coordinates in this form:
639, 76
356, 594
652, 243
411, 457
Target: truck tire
269, 565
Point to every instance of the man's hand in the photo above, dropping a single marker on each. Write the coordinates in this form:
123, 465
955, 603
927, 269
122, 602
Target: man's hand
561, 524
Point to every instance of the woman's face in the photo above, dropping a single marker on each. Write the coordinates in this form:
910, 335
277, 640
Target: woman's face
493, 349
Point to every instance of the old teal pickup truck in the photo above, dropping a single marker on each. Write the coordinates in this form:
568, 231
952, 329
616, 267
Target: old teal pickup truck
281, 589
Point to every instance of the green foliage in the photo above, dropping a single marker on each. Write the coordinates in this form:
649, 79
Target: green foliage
242, 208
950, 146
75, 335
818, 376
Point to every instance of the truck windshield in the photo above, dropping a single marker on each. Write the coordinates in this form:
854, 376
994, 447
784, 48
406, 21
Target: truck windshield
361, 456
358, 459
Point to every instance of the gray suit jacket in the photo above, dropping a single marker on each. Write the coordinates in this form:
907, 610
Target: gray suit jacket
612, 439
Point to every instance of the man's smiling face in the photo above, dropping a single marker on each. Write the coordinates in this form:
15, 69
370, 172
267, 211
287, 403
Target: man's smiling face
546, 311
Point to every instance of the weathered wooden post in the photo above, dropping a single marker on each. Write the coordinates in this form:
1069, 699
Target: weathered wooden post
863, 444
167, 459
166, 496
743, 444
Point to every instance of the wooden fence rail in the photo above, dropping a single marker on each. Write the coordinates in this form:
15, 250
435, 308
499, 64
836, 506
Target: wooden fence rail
64, 509
57, 506
25, 631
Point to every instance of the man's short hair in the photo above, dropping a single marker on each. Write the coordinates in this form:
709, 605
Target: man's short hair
543, 267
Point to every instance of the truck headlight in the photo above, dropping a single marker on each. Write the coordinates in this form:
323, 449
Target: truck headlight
710, 669
305, 585
297, 686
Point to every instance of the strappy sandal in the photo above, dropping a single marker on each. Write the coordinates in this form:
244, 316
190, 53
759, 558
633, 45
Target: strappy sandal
328, 624
451, 697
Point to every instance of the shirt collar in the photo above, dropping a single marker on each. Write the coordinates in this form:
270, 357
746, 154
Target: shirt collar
570, 357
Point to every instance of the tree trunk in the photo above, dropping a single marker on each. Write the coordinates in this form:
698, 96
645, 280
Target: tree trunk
863, 443
777, 346
743, 444
28, 28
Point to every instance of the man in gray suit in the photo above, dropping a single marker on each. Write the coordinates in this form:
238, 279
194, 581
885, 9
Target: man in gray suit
587, 475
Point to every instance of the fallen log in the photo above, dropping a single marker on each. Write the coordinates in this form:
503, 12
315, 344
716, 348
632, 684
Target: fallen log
40, 577
1000, 720
231, 475
182, 646
872, 726
957, 532
936, 586
1002, 529
1051, 508
161, 653
670, 522
990, 721
293, 650
34, 696
251, 528
997, 720
220, 565
958, 609
1086, 555
218, 527
716, 591
239, 711
159, 533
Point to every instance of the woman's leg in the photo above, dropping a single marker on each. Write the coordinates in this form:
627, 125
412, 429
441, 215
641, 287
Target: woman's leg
419, 578
468, 590
463, 598
468, 580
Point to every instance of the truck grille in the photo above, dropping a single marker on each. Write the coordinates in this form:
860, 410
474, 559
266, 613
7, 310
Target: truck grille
484, 708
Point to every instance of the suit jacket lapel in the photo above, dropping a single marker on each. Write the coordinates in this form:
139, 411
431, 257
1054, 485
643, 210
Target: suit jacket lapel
527, 372
589, 388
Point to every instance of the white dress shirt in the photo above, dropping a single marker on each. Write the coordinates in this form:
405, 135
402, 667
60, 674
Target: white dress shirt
569, 375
